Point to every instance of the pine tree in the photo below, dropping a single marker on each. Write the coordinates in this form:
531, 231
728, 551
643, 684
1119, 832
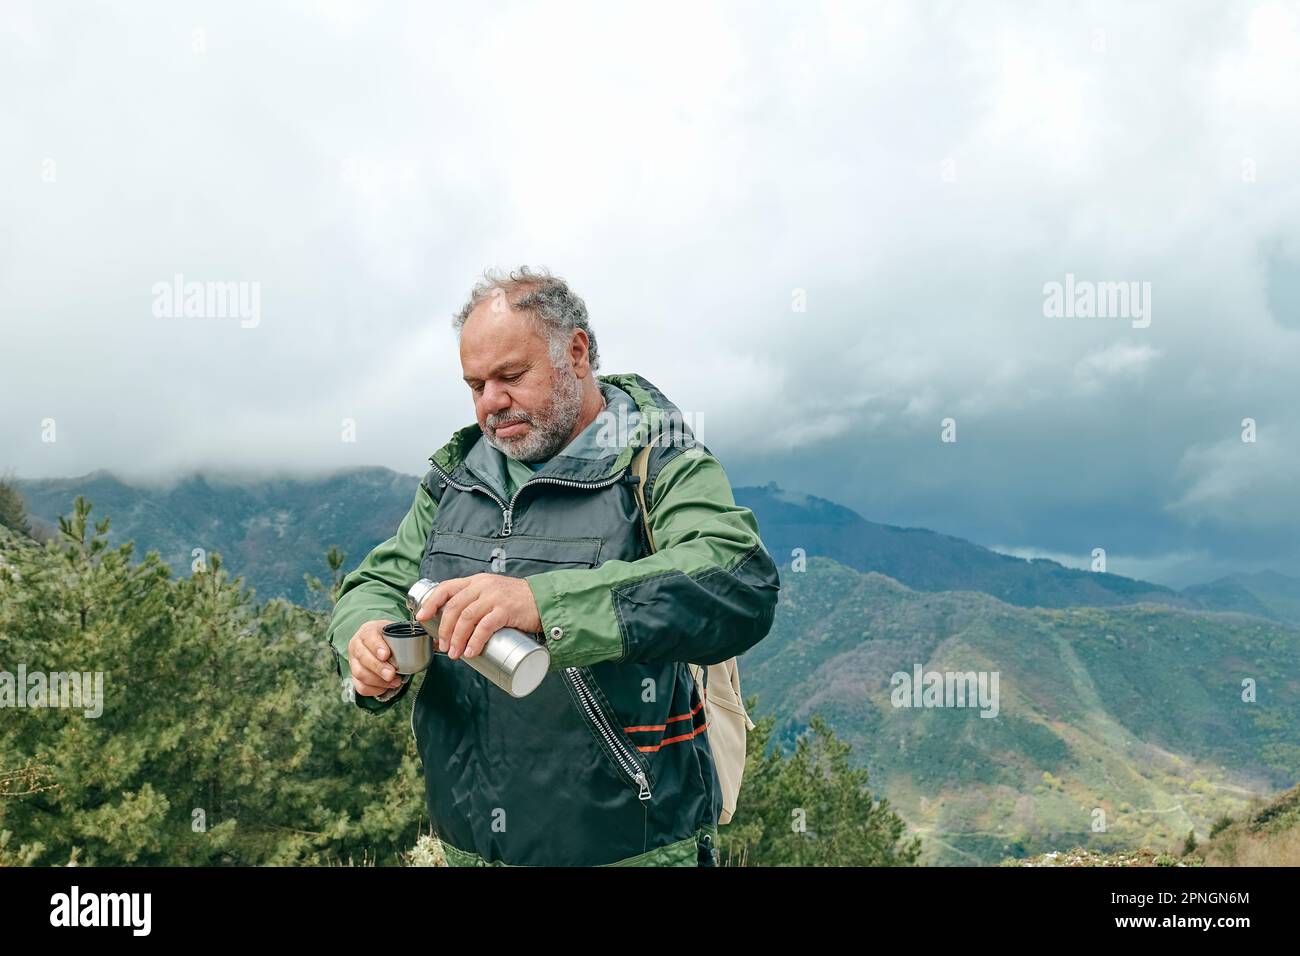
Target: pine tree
223, 738
810, 808
13, 510
334, 560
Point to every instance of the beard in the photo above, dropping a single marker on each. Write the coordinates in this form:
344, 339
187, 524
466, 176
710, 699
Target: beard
550, 426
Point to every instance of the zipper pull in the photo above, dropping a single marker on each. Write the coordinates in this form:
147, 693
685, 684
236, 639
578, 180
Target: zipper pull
505, 528
645, 786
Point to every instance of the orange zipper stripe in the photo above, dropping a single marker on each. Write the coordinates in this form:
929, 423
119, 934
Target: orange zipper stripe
665, 726
673, 740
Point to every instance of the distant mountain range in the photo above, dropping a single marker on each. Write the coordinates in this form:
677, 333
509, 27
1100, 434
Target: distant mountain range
272, 531
1136, 712
1266, 594
928, 561
1117, 696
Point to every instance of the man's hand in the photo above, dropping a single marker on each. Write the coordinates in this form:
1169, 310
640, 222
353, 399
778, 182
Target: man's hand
476, 607
368, 655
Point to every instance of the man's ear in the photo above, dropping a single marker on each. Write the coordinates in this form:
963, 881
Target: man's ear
578, 351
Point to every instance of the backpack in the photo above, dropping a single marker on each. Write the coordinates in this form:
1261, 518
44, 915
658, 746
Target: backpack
724, 707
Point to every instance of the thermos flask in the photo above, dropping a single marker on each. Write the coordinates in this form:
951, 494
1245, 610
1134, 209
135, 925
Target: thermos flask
510, 659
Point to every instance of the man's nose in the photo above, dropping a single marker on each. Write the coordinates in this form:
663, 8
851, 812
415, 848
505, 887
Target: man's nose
495, 399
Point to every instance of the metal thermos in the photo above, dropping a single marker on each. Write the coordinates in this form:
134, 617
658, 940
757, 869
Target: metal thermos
511, 659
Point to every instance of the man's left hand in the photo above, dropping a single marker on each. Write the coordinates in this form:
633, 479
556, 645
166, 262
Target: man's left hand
476, 607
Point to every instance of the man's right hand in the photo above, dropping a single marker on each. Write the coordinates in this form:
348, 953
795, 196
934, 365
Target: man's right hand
368, 655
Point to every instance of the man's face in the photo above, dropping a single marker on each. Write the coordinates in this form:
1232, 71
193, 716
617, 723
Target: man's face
525, 406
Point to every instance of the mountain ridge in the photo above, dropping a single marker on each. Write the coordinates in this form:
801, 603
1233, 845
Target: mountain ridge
256, 520
1134, 717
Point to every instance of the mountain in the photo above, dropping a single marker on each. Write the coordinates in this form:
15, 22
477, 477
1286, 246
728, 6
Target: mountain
929, 561
1266, 594
273, 530
270, 530
1269, 835
1134, 713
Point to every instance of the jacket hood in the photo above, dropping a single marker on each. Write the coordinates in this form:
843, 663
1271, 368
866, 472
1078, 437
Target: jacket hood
460, 459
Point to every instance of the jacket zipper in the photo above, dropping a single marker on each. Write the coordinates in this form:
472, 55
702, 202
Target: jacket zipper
626, 759
459, 487
507, 510
414, 735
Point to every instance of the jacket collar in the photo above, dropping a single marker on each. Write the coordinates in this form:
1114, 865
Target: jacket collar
469, 459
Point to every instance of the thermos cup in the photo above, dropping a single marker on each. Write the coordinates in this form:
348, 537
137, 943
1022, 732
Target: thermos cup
411, 647
510, 659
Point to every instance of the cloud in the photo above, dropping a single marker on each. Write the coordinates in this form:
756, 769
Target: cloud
823, 228
1120, 360
1236, 482
1176, 569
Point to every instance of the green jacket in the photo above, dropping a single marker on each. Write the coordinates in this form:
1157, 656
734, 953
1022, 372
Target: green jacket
607, 762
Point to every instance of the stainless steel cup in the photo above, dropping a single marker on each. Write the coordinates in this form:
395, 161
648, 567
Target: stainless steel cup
511, 659
411, 646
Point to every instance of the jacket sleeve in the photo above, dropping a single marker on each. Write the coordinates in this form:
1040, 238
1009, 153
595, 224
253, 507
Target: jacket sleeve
376, 590
707, 594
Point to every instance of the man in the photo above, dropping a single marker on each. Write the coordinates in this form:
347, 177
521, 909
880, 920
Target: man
529, 519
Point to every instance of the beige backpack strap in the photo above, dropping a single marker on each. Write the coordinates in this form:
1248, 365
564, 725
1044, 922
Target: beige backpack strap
641, 468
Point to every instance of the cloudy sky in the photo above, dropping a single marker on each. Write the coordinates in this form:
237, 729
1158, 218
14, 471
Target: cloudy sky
820, 229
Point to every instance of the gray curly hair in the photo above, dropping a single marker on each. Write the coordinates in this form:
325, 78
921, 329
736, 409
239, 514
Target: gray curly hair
546, 298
